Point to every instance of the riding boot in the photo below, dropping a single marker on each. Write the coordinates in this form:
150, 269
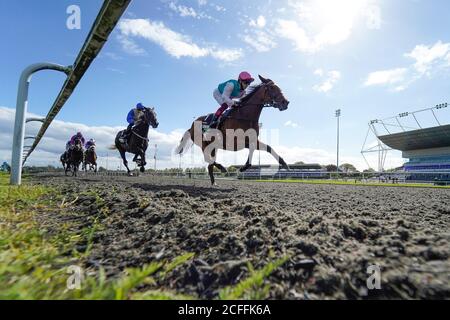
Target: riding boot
217, 116
124, 138
214, 122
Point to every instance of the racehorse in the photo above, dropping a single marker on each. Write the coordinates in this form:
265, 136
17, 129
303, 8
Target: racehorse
75, 157
137, 140
90, 159
240, 128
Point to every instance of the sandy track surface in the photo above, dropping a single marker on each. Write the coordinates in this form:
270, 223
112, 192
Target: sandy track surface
332, 234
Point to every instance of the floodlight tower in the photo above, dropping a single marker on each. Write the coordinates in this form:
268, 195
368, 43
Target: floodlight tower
338, 115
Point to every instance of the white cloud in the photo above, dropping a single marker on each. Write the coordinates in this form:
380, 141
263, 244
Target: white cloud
112, 55
115, 70
291, 30
373, 16
260, 22
318, 72
332, 77
202, 2
185, 11
175, 44
322, 23
291, 124
130, 47
427, 57
219, 8
384, 77
260, 41
428, 60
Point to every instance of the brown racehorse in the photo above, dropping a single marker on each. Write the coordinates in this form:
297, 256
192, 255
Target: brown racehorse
90, 159
240, 130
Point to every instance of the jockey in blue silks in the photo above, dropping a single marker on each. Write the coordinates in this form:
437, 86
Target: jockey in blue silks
132, 117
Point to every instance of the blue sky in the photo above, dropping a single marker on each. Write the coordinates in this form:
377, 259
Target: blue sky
371, 58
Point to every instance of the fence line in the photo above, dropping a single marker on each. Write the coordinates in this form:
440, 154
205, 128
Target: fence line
106, 20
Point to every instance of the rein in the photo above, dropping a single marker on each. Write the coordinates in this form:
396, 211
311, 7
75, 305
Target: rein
264, 105
139, 136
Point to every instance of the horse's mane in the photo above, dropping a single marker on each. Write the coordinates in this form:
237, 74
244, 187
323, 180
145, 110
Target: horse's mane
251, 91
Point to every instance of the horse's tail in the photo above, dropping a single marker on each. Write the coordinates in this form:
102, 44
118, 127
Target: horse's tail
183, 145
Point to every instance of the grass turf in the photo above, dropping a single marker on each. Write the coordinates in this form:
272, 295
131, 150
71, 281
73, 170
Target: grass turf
36, 265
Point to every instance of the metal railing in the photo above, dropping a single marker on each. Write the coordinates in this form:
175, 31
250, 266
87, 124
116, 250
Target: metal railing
109, 15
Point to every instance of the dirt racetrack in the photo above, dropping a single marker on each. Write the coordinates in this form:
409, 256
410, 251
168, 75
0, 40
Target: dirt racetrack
332, 234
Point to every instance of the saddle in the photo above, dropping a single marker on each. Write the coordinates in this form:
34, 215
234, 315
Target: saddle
210, 117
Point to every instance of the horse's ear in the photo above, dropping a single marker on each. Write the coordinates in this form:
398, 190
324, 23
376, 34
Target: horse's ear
263, 80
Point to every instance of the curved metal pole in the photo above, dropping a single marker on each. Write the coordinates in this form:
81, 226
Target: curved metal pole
21, 110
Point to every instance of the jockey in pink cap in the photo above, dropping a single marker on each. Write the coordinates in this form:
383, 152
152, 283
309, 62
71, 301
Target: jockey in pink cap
227, 91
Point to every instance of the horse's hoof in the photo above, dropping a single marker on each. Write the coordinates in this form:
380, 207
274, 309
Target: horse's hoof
142, 169
244, 168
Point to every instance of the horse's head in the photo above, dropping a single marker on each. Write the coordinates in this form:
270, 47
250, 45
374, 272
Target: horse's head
78, 145
274, 95
149, 117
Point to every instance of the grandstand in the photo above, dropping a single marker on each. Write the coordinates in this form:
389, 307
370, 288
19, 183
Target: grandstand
297, 171
427, 150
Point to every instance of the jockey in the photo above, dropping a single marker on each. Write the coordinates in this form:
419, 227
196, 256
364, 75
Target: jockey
79, 136
89, 144
227, 91
132, 117
71, 142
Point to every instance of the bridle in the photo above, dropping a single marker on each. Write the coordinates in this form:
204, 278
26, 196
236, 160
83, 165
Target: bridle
272, 97
139, 136
146, 121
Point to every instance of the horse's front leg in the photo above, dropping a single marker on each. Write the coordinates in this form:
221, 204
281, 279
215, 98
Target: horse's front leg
139, 158
210, 158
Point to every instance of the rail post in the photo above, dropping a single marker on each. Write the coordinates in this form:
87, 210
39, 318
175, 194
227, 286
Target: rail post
21, 110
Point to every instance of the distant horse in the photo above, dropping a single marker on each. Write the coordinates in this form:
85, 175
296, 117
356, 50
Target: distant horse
75, 157
242, 119
137, 140
90, 159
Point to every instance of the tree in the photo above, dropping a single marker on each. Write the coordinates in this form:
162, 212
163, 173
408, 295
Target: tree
331, 168
299, 162
232, 169
196, 170
347, 167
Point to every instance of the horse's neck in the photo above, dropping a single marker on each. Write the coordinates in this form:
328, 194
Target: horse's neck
252, 109
142, 129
